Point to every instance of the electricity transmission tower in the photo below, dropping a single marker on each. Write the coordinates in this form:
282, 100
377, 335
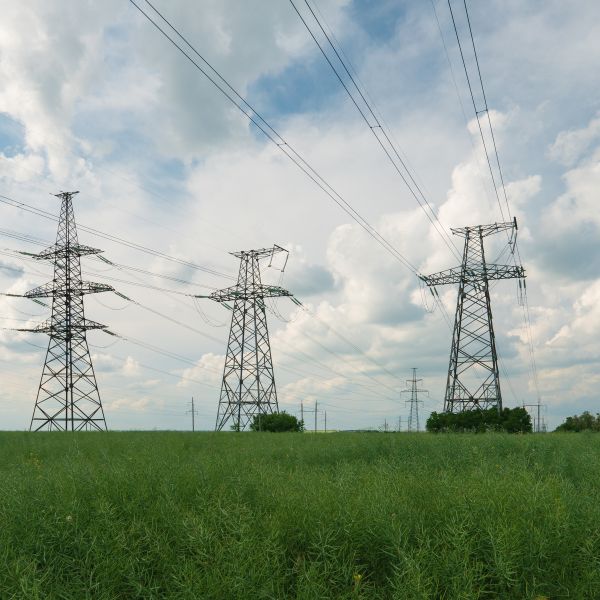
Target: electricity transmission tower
537, 423
68, 397
248, 386
193, 411
473, 343
414, 391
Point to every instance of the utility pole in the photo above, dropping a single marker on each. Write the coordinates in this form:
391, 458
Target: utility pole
325, 421
537, 424
248, 387
193, 411
399, 424
68, 398
302, 411
314, 410
473, 341
414, 391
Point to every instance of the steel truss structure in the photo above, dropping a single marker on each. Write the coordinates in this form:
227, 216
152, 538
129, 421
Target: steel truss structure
473, 342
414, 391
68, 397
248, 386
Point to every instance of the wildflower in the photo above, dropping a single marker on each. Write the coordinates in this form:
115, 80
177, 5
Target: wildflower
357, 577
68, 518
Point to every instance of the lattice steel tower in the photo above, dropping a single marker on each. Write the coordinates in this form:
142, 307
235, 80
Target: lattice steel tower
248, 387
68, 397
414, 391
473, 341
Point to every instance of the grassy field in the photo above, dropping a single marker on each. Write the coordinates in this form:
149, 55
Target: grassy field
181, 515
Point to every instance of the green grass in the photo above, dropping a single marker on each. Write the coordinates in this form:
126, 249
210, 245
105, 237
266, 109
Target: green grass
181, 515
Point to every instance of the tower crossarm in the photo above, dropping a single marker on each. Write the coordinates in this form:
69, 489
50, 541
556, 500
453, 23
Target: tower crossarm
53, 327
237, 293
57, 251
485, 230
490, 272
261, 253
52, 288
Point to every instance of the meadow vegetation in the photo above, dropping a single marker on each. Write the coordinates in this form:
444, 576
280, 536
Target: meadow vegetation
263, 515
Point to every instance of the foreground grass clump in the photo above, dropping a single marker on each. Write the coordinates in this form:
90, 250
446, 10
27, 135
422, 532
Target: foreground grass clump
181, 515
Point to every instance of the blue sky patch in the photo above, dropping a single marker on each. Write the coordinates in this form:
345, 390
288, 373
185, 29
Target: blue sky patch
12, 136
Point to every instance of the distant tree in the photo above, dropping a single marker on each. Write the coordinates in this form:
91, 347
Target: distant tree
276, 422
583, 422
511, 420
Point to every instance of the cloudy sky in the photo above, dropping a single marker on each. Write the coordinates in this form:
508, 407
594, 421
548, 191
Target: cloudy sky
94, 99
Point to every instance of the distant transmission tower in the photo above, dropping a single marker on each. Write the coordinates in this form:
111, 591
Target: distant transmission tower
68, 397
248, 387
414, 391
473, 341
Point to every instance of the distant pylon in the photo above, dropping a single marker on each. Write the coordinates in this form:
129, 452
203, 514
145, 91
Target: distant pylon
473, 340
68, 397
248, 386
414, 391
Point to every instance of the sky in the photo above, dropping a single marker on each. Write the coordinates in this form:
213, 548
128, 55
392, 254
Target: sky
95, 99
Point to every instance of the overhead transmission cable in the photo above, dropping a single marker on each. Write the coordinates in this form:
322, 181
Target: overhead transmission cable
210, 337
130, 301
478, 112
187, 326
346, 340
113, 238
264, 127
487, 112
252, 114
376, 127
314, 315
102, 275
23, 237
308, 359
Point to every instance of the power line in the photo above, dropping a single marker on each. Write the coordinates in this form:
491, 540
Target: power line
308, 358
113, 238
452, 74
386, 143
341, 337
26, 256
514, 249
487, 112
346, 340
163, 372
262, 125
477, 111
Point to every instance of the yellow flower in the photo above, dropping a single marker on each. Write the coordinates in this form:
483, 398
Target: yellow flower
357, 577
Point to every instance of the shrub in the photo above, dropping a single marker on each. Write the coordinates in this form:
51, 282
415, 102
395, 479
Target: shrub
276, 422
583, 422
510, 420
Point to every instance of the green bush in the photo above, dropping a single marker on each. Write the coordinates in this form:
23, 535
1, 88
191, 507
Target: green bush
276, 422
510, 420
583, 422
